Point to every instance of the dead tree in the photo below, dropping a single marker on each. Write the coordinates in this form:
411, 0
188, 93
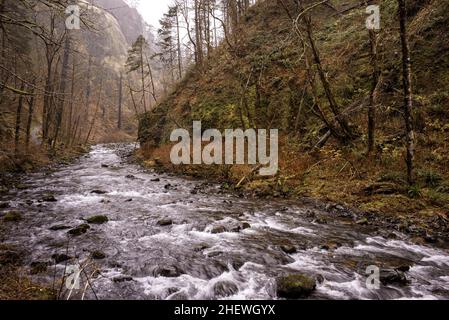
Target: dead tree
408, 95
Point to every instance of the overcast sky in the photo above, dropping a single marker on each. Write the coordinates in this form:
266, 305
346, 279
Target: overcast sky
152, 10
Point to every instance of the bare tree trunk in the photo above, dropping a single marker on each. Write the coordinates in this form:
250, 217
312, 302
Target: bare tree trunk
326, 85
408, 95
92, 124
62, 87
18, 120
30, 119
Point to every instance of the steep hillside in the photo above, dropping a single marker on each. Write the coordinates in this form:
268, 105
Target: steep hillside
261, 81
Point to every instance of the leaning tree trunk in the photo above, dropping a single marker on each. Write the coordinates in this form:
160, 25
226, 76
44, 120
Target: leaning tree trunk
408, 98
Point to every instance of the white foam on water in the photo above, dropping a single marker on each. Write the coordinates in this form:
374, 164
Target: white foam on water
440, 260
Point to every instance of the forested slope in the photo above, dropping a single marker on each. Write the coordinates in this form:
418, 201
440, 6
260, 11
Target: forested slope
260, 78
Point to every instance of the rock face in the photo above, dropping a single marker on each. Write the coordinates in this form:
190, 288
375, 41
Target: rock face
296, 286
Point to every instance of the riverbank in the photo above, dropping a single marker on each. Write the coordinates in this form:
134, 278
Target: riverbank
339, 183
15, 284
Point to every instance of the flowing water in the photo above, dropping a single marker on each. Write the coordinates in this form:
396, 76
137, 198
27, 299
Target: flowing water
192, 258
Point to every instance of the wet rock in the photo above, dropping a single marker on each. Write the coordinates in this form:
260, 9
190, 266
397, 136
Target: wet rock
224, 289
320, 220
167, 272
245, 225
131, 177
295, 286
320, 278
104, 166
121, 279
178, 296
49, 198
39, 267
218, 229
289, 249
403, 268
82, 229
98, 192
201, 248
4, 205
59, 227
98, 255
155, 180
129, 200
388, 277
362, 222
430, 239
97, 219
59, 258
12, 216
165, 222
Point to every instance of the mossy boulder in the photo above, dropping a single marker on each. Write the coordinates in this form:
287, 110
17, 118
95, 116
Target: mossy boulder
12, 216
98, 255
97, 219
295, 286
82, 229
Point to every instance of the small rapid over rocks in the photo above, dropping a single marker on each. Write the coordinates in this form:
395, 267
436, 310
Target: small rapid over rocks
154, 236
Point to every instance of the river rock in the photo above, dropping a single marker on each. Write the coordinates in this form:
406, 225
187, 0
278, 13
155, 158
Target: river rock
98, 192
121, 279
155, 180
167, 272
295, 286
165, 222
245, 225
59, 227
224, 289
12, 216
130, 176
49, 198
393, 277
97, 219
59, 258
82, 229
39, 267
362, 222
98, 255
218, 229
4, 205
289, 249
